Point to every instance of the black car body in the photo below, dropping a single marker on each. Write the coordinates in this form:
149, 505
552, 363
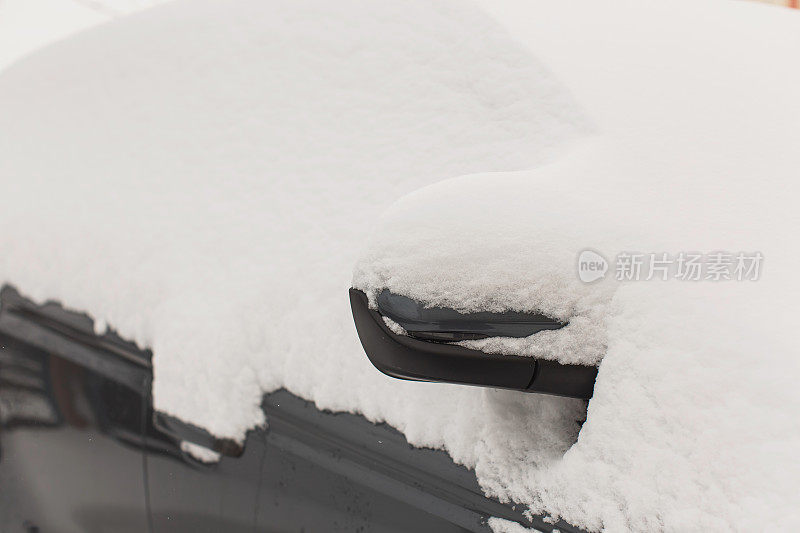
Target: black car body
81, 449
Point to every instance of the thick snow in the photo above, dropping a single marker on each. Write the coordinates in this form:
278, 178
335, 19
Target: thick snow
202, 176
693, 422
206, 189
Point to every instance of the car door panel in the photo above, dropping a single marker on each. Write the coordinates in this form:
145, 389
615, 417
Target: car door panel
83, 450
70, 433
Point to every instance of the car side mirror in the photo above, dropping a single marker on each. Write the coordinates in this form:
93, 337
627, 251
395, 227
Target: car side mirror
427, 353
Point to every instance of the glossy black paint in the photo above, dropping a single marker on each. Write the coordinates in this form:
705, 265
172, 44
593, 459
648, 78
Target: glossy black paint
71, 444
80, 451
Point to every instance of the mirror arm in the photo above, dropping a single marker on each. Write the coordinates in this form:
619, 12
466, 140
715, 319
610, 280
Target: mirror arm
405, 357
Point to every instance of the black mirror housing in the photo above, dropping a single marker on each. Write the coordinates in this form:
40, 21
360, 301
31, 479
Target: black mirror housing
418, 359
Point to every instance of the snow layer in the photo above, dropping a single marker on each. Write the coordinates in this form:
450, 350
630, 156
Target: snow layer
500, 525
693, 422
200, 453
202, 175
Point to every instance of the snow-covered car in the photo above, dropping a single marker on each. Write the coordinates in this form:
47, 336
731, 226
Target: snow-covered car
588, 208
83, 450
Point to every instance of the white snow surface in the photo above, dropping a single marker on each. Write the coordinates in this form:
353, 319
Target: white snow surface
501, 525
200, 453
202, 175
27, 25
693, 422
